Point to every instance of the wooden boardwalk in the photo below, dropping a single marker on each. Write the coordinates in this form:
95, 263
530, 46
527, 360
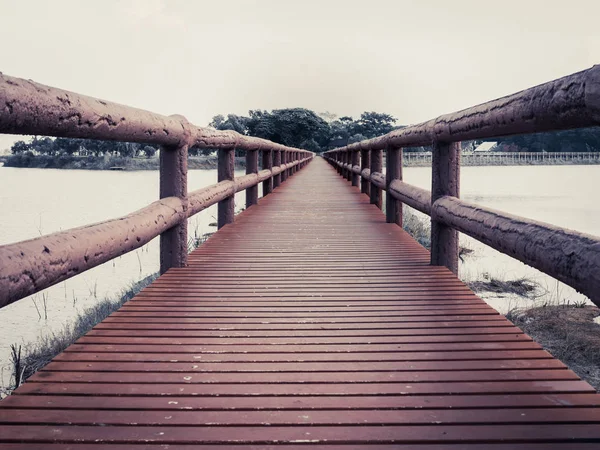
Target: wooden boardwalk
308, 321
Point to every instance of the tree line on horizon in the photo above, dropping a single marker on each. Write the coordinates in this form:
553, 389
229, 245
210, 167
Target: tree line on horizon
294, 127
303, 128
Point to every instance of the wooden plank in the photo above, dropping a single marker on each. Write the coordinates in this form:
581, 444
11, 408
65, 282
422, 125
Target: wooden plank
309, 321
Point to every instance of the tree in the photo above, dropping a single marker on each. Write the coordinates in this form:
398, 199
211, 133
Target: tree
20, 147
43, 146
311, 145
69, 146
373, 124
356, 138
292, 126
233, 122
149, 151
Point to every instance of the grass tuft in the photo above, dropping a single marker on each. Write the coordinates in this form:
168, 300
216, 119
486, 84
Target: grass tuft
40, 353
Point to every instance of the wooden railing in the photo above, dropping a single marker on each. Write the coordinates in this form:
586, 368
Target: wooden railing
31, 108
569, 102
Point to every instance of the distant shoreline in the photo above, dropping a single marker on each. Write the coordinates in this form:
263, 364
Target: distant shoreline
106, 163
210, 162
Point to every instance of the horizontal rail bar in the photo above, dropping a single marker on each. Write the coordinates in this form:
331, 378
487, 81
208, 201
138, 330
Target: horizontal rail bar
417, 198
33, 265
33, 108
378, 179
569, 102
569, 256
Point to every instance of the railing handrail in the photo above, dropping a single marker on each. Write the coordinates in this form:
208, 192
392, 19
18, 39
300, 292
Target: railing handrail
35, 109
569, 102
32, 108
566, 103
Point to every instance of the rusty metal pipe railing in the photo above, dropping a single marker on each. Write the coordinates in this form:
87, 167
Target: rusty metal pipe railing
32, 108
567, 103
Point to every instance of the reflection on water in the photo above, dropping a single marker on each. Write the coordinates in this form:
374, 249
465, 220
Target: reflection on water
42, 201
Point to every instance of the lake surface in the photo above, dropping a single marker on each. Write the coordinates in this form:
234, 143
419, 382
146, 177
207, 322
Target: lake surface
42, 201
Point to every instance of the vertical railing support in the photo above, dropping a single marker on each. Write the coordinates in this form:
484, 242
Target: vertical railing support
348, 165
251, 167
173, 183
267, 163
376, 166
365, 163
226, 166
294, 159
445, 180
284, 160
393, 170
277, 163
355, 162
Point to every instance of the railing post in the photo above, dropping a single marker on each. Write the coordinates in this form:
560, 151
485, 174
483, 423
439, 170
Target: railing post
365, 163
173, 183
284, 160
277, 163
348, 159
294, 159
355, 162
226, 166
445, 181
251, 167
376, 166
267, 163
393, 171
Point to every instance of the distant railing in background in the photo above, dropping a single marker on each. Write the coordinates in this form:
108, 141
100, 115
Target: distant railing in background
507, 158
566, 103
27, 107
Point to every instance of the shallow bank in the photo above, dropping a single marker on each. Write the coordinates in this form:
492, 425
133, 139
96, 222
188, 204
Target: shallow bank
107, 163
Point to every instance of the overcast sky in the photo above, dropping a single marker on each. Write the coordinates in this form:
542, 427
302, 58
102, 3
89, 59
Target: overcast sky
412, 59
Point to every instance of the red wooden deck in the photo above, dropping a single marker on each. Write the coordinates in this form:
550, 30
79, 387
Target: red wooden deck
308, 321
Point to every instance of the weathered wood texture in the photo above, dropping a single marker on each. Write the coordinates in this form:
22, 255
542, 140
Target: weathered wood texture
310, 321
376, 169
445, 181
569, 102
173, 183
393, 159
252, 167
365, 164
33, 108
267, 164
225, 172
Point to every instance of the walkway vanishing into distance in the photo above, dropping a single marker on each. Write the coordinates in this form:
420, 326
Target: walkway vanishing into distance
309, 320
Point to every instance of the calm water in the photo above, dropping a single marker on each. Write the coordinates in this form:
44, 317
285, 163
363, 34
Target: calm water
42, 201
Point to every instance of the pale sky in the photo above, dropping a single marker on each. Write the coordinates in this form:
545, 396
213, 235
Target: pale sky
412, 59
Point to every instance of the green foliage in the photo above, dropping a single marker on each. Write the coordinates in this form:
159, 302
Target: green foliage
373, 124
60, 147
302, 128
581, 140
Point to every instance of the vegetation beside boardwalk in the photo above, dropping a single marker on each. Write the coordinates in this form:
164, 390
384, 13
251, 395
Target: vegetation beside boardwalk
29, 359
568, 332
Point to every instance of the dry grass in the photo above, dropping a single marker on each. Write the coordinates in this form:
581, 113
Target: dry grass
420, 230
521, 286
568, 332
28, 360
